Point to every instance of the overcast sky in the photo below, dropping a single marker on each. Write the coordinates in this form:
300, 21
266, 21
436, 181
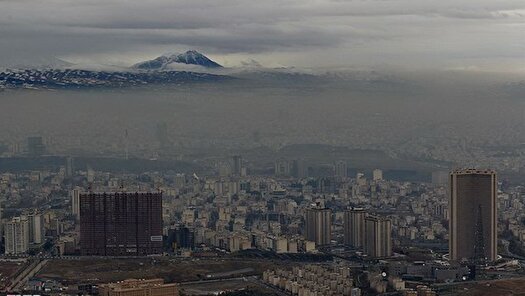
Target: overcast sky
442, 34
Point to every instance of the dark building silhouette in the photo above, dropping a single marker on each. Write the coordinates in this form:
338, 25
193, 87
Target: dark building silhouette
378, 237
120, 224
354, 227
35, 146
70, 167
473, 215
236, 165
182, 237
318, 225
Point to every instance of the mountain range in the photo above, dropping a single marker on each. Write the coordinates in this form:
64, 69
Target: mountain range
161, 70
190, 66
72, 78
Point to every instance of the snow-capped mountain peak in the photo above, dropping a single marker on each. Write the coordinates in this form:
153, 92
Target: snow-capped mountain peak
190, 57
194, 57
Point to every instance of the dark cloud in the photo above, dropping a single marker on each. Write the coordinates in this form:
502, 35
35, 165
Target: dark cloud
439, 33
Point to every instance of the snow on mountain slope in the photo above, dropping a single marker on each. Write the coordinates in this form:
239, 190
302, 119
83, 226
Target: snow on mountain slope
191, 57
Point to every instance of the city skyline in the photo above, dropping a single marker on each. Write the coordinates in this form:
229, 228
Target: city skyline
257, 148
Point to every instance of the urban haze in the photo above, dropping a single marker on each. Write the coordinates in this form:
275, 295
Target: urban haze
262, 148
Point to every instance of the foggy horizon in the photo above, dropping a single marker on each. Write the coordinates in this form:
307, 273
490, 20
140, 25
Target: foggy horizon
261, 148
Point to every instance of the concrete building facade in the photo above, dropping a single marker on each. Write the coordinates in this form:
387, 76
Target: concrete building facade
16, 236
318, 225
378, 237
354, 227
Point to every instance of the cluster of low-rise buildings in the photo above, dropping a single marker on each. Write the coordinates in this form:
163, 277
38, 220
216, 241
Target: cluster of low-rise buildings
313, 280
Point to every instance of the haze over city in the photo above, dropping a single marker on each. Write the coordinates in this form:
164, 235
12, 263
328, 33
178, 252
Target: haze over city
309, 147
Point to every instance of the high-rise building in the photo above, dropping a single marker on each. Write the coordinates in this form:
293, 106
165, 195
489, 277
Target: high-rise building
182, 237
354, 227
473, 215
35, 146
75, 203
236, 165
377, 175
70, 167
35, 222
90, 174
341, 169
120, 224
318, 224
16, 236
378, 237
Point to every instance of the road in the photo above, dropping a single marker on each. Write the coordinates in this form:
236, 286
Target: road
20, 281
251, 279
204, 281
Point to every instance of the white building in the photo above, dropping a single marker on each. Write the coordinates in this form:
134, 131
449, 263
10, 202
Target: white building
16, 236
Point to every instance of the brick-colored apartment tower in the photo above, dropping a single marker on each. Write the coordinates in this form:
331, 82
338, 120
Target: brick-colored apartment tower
473, 224
120, 224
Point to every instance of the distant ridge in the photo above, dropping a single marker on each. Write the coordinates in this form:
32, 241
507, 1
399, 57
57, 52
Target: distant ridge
71, 78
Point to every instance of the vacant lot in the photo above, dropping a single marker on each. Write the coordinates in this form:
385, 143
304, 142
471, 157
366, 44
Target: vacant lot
175, 270
510, 287
7, 270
